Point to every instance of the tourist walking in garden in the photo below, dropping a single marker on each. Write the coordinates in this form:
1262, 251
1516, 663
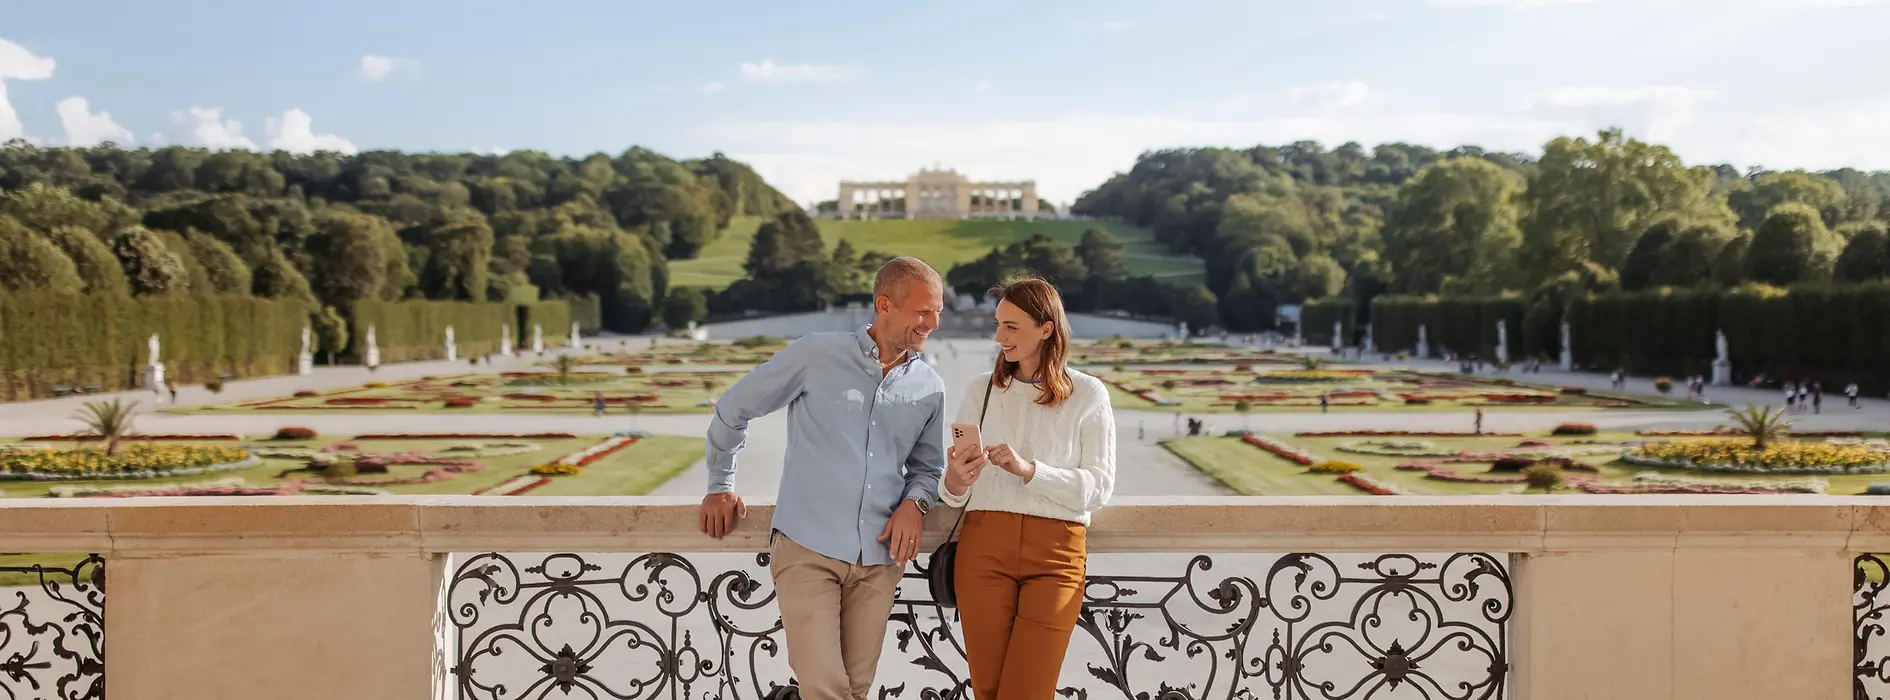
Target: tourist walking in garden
1791, 398
1817, 397
1325, 401
866, 422
1479, 426
597, 403
1019, 568
1850, 392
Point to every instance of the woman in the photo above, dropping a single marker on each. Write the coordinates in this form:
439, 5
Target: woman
1051, 434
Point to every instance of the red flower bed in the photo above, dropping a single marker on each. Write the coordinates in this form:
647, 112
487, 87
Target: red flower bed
154, 436
593, 457
1255, 397
1432, 471
1401, 433
463, 436
531, 397
1365, 485
356, 401
1293, 457
1520, 398
1353, 394
461, 402
376, 407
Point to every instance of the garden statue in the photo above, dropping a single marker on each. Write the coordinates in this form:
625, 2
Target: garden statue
154, 370
538, 339
1722, 361
1502, 342
1371, 344
505, 340
1568, 350
1423, 343
452, 349
1338, 338
373, 358
576, 342
305, 361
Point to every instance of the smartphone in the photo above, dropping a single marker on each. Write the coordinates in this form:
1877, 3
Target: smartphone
966, 436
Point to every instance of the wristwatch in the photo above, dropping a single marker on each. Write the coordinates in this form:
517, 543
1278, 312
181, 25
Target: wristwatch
924, 509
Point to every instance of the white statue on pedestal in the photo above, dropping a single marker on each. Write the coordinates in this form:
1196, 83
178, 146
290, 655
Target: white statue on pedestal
452, 348
538, 338
373, 357
1423, 343
1371, 343
576, 342
505, 340
305, 361
1722, 361
153, 369
1338, 337
1568, 349
1502, 341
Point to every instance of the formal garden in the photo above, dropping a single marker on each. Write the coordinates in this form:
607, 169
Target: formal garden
565, 387
109, 460
1292, 383
742, 351
1755, 453
1119, 351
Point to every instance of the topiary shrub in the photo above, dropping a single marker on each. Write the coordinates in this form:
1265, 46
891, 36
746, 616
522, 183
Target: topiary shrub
1573, 429
633, 369
1664, 385
295, 432
1334, 467
461, 402
304, 394
1543, 476
1417, 402
1511, 464
370, 465
339, 469
1574, 390
215, 386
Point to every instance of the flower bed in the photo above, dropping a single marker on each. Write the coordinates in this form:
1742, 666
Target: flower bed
464, 436
1655, 482
590, 455
1526, 399
134, 462
1334, 467
448, 469
295, 432
1779, 458
461, 402
384, 407
1399, 433
355, 401
137, 438
1573, 429
1296, 376
1433, 471
515, 486
1283, 450
220, 487
1395, 448
1369, 485
496, 449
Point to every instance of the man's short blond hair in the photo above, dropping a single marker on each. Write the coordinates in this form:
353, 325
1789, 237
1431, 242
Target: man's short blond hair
898, 271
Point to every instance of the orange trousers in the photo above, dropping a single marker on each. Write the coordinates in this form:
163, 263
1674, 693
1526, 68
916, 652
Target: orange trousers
1020, 589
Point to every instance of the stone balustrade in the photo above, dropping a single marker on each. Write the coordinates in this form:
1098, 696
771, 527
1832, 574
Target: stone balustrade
1616, 597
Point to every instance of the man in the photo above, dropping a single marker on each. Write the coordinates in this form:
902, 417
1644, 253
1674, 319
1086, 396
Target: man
866, 436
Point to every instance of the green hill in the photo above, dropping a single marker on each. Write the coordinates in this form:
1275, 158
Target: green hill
940, 242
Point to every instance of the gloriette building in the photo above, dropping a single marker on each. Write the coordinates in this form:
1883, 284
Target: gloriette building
937, 194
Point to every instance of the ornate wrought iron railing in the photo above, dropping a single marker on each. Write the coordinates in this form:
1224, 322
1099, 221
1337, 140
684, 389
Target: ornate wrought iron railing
1871, 677
1153, 627
52, 632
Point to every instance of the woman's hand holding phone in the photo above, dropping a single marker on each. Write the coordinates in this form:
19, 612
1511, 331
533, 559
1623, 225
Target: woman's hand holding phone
962, 467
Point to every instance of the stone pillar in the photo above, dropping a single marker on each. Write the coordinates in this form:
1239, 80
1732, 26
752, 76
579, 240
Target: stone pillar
373, 355
1030, 200
505, 340
1502, 342
452, 347
844, 204
961, 198
538, 338
1568, 349
1423, 344
914, 204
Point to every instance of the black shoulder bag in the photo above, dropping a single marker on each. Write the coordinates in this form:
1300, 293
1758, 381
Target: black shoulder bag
942, 567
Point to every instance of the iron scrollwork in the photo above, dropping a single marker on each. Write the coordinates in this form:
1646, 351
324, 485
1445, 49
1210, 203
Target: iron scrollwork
1236, 627
52, 634
1870, 661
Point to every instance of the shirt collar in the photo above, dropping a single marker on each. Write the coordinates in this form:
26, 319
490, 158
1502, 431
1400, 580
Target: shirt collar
871, 348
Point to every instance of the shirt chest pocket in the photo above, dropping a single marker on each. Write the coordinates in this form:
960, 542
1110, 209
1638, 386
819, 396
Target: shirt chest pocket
902, 421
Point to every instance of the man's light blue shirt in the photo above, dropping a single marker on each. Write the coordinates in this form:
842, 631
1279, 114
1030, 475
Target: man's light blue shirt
858, 443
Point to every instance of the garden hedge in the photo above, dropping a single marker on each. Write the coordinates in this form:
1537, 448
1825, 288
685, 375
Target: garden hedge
1460, 325
416, 330
1316, 319
588, 312
555, 316
50, 340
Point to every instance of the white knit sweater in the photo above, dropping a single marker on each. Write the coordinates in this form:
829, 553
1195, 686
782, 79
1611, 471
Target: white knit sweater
1073, 444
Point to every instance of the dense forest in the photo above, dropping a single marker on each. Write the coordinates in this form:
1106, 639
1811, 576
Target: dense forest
1290, 223
335, 229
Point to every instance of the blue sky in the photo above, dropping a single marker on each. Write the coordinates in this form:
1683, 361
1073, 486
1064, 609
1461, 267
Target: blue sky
1063, 92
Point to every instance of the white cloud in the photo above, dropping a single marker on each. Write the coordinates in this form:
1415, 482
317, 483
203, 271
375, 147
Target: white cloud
17, 63
83, 128
1333, 96
713, 88
206, 127
982, 86
767, 71
294, 132
1665, 109
375, 69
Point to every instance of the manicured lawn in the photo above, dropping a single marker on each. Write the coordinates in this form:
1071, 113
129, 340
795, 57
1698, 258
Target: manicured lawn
940, 242
1252, 471
1218, 389
632, 471
662, 390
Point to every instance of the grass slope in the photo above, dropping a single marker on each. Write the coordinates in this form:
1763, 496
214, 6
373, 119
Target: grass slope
940, 242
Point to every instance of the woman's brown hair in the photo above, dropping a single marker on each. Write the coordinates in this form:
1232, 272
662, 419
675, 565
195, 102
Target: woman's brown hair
1037, 299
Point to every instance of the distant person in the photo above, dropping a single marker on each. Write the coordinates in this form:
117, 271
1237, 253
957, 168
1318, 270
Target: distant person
1791, 398
1325, 400
1817, 397
1141, 429
597, 404
1479, 426
1850, 392
173, 387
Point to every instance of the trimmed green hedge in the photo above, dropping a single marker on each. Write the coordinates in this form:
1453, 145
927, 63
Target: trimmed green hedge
555, 316
1317, 315
588, 312
1832, 335
416, 330
52, 340
1460, 325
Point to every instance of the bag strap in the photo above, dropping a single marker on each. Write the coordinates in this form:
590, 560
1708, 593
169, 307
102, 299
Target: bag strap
982, 410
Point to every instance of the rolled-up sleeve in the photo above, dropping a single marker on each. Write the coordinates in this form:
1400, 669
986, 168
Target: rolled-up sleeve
926, 463
762, 391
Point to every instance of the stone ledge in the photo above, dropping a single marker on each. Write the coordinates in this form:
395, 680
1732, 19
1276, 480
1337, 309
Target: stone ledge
435, 524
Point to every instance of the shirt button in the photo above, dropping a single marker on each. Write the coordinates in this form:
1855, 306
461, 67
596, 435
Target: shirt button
869, 454
869, 487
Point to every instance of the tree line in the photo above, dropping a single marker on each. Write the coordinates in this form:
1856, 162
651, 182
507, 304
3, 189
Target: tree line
333, 229
1291, 223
